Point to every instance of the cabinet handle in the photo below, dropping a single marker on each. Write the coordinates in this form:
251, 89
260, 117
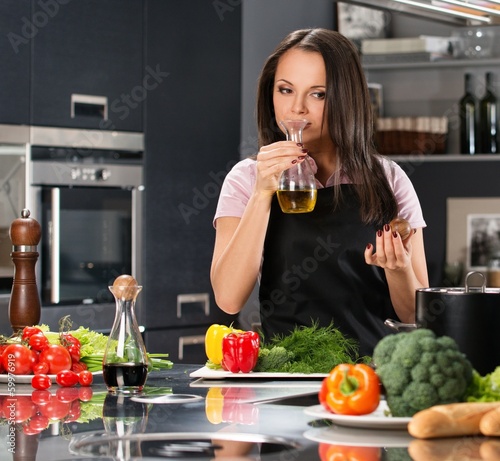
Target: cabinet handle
86, 105
203, 298
189, 341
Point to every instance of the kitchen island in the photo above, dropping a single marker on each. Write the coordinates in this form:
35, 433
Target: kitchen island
237, 419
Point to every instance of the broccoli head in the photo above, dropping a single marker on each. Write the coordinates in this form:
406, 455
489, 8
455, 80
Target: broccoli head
419, 370
273, 359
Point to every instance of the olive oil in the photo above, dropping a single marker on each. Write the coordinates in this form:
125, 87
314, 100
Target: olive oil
297, 201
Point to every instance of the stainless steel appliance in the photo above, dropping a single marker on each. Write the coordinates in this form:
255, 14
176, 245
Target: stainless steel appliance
85, 187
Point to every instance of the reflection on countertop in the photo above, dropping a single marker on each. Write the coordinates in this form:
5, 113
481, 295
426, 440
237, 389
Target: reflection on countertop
237, 419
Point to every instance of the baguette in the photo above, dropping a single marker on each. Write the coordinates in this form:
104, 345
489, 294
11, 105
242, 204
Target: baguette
463, 449
490, 422
490, 450
450, 420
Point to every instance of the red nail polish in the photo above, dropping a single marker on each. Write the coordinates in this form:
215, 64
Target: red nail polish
395, 235
387, 228
379, 233
300, 144
305, 151
302, 157
369, 246
294, 162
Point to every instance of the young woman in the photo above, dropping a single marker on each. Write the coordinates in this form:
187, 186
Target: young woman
341, 263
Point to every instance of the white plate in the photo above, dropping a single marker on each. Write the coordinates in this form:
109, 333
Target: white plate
375, 420
348, 436
26, 379
207, 373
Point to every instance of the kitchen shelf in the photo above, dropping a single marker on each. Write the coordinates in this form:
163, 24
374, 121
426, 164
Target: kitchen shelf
445, 63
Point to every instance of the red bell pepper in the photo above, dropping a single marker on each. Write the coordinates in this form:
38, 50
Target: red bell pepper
240, 351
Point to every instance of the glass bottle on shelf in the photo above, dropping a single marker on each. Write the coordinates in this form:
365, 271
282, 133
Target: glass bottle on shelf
488, 118
468, 119
125, 363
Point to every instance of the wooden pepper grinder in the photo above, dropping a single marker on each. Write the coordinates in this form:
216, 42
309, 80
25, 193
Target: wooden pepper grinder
24, 305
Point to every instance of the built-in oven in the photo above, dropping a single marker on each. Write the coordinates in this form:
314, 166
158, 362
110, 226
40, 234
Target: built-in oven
85, 187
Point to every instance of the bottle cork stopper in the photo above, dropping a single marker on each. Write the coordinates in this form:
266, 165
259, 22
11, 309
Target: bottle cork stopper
25, 230
125, 287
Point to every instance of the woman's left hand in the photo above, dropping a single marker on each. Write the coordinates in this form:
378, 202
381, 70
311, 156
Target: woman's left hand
390, 251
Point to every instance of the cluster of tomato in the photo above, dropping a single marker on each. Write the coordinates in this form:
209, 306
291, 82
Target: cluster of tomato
35, 355
36, 411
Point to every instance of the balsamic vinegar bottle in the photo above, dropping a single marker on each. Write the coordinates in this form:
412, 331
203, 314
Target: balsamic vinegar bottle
125, 362
468, 119
488, 118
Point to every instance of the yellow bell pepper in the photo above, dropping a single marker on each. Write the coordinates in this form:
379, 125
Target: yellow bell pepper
214, 404
213, 342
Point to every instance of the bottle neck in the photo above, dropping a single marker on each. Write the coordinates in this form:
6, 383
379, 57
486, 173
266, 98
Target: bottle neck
468, 84
489, 82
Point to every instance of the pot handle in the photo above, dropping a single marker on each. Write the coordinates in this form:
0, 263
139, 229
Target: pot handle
467, 284
400, 326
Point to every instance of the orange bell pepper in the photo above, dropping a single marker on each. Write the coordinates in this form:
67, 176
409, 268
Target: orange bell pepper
350, 390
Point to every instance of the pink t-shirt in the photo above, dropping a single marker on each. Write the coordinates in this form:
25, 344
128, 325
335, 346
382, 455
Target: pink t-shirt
239, 183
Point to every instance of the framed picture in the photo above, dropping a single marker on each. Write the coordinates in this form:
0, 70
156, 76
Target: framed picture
359, 22
473, 231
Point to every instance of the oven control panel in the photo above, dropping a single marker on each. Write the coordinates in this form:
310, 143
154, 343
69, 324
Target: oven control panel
64, 174
90, 174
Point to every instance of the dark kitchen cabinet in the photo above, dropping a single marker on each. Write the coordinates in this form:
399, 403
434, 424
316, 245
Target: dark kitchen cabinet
192, 139
86, 54
16, 30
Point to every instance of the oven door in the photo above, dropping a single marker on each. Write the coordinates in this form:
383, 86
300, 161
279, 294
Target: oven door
87, 241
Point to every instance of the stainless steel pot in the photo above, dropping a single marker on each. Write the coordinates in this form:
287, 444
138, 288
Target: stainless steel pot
470, 315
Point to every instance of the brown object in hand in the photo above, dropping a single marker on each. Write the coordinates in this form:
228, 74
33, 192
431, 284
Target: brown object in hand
24, 304
402, 227
451, 420
125, 287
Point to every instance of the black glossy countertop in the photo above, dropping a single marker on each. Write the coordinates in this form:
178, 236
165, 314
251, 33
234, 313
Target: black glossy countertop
236, 419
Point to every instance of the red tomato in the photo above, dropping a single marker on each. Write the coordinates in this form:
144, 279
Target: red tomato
38, 341
19, 409
68, 338
57, 357
29, 331
85, 393
41, 382
74, 412
67, 394
74, 350
78, 366
40, 397
17, 359
85, 378
41, 368
34, 357
38, 423
66, 378
55, 409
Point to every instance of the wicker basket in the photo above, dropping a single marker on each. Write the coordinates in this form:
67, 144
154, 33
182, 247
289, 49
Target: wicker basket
411, 135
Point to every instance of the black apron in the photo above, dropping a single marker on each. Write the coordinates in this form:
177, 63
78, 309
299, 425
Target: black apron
314, 270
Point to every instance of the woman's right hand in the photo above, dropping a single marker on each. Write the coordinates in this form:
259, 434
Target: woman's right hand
272, 160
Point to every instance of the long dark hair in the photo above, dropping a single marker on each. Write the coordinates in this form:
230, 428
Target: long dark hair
348, 116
